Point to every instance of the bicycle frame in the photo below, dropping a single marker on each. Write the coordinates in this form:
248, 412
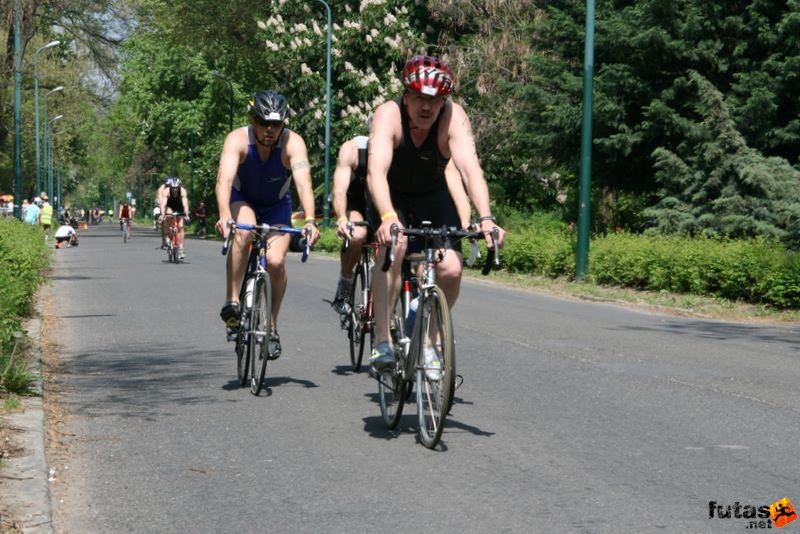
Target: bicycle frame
431, 369
255, 322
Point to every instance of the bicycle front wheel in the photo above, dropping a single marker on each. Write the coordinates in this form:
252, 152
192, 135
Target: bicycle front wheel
359, 320
435, 366
260, 327
242, 342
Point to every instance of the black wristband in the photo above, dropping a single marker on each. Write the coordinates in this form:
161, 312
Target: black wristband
488, 218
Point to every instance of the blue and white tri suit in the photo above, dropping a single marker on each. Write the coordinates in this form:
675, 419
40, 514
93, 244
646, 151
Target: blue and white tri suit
264, 185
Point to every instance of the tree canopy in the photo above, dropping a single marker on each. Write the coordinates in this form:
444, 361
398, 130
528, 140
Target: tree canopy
695, 120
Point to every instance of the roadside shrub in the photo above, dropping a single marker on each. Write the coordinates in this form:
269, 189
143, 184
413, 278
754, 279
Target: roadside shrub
23, 258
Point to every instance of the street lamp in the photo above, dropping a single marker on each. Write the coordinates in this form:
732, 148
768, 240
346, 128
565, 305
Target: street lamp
219, 75
55, 90
36, 105
325, 204
48, 143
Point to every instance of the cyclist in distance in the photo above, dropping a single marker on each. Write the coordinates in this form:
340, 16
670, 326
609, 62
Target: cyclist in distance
350, 201
174, 202
256, 168
412, 140
126, 212
162, 192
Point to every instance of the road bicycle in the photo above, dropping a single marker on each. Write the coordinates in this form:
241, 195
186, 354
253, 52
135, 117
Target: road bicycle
173, 238
251, 335
423, 336
360, 322
126, 230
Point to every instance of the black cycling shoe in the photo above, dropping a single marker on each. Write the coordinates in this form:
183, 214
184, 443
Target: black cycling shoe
230, 314
274, 346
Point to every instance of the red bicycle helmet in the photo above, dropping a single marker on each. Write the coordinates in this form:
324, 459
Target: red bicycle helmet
427, 75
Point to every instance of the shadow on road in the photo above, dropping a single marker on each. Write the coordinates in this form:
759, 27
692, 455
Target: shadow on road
723, 331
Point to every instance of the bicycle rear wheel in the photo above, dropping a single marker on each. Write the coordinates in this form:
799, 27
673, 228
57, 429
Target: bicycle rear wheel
260, 327
124, 233
435, 377
359, 320
393, 388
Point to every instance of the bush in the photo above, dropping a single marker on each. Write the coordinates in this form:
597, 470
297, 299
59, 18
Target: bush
23, 258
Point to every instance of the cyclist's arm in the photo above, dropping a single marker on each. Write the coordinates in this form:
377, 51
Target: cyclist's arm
386, 129
232, 155
297, 161
462, 149
162, 201
185, 201
460, 198
341, 180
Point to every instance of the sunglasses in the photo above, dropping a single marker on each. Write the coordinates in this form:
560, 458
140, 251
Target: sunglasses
269, 124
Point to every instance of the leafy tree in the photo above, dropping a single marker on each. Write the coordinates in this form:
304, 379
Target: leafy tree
715, 184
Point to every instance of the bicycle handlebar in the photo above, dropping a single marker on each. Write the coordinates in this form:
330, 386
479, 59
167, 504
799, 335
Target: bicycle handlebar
492, 256
265, 229
350, 226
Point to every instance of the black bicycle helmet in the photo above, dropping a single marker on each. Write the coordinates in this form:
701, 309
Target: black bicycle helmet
268, 106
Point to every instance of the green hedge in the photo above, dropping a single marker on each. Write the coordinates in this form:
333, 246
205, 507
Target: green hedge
23, 259
756, 271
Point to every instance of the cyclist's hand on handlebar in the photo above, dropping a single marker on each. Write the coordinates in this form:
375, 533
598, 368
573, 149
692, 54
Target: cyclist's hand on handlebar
311, 233
487, 227
223, 227
344, 229
384, 232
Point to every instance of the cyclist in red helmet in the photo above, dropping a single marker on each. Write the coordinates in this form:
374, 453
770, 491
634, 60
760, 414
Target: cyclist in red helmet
412, 140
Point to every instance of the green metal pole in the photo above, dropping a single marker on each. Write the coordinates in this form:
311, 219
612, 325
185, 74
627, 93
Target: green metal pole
17, 110
582, 257
47, 145
50, 190
325, 204
36, 108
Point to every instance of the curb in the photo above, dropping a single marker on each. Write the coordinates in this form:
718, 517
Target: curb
25, 478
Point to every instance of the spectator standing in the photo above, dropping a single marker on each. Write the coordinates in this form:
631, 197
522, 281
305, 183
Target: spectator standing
33, 211
199, 215
46, 215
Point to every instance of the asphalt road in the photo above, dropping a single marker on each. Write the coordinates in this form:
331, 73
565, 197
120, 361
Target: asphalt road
574, 416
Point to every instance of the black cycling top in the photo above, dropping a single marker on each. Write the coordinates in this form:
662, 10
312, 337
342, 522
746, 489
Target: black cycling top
175, 202
417, 170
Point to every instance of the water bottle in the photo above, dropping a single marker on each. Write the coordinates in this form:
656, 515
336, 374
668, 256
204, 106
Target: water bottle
412, 314
248, 292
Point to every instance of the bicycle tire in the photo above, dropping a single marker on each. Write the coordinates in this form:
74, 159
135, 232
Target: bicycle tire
393, 387
358, 318
260, 327
242, 345
124, 233
433, 395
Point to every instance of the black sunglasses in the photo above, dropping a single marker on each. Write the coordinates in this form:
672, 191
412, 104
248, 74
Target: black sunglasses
267, 124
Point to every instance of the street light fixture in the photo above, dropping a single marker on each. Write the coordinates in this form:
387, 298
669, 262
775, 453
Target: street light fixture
46, 146
36, 105
325, 203
49, 154
219, 75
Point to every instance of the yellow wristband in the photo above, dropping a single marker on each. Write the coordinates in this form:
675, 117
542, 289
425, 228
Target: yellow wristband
341, 219
388, 214
311, 219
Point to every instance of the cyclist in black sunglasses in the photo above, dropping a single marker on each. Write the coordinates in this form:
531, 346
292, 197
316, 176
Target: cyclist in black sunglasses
256, 167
